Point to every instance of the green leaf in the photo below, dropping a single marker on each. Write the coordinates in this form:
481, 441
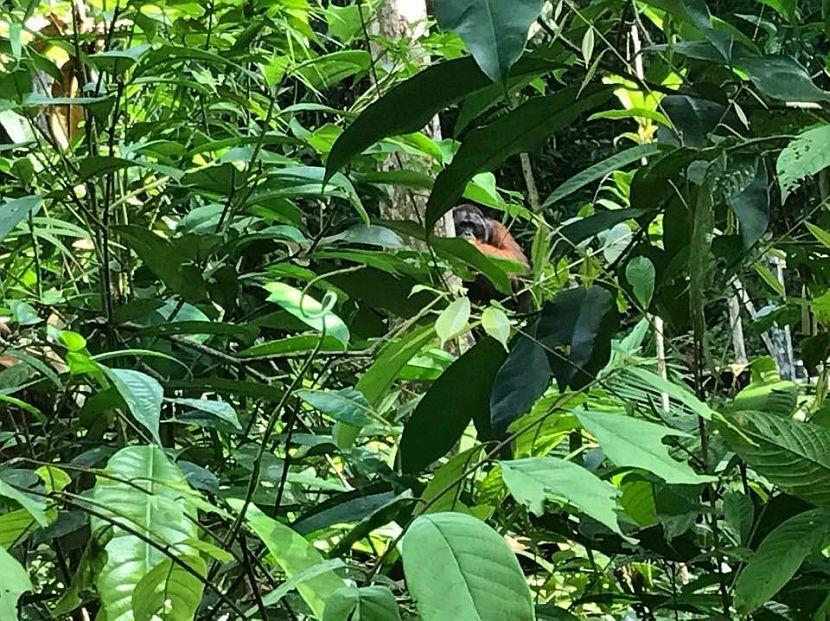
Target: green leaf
820, 234
536, 480
640, 275
372, 603
452, 320
346, 405
639, 444
495, 31
117, 61
518, 131
220, 409
779, 556
308, 310
13, 212
294, 555
169, 592
461, 394
751, 205
602, 169
96, 165
805, 156
459, 568
496, 324
152, 499
15, 582
327, 70
292, 344
410, 105
585, 228
272, 598
791, 454
142, 394
35, 506
781, 77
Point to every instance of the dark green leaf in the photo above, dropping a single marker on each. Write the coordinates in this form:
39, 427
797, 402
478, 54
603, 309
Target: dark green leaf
781, 77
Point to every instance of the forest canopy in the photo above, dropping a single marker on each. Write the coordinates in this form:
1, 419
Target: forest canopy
388, 310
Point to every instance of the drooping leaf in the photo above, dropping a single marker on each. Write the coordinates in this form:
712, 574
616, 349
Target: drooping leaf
637, 443
452, 319
791, 454
151, 500
495, 31
496, 324
13, 212
142, 394
35, 506
346, 405
459, 395
372, 603
779, 556
751, 205
293, 554
410, 105
15, 582
576, 329
518, 131
602, 169
533, 481
805, 156
308, 310
781, 77
640, 275
220, 409
453, 563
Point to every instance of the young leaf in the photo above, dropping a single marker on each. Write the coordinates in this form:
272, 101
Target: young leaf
638, 444
142, 394
640, 275
461, 393
496, 324
452, 561
452, 319
495, 32
308, 310
536, 480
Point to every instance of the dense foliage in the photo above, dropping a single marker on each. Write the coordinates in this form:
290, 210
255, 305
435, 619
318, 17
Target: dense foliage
239, 374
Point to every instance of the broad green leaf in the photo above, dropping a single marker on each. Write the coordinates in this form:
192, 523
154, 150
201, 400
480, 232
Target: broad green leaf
533, 481
14, 583
220, 409
751, 203
96, 165
272, 598
153, 500
517, 131
346, 405
35, 506
461, 394
640, 275
805, 156
779, 556
819, 233
410, 105
791, 454
767, 392
169, 592
638, 444
495, 31
327, 70
459, 568
584, 228
452, 319
372, 603
142, 394
602, 169
677, 393
13, 212
496, 324
292, 344
293, 554
308, 310
118, 61
781, 77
